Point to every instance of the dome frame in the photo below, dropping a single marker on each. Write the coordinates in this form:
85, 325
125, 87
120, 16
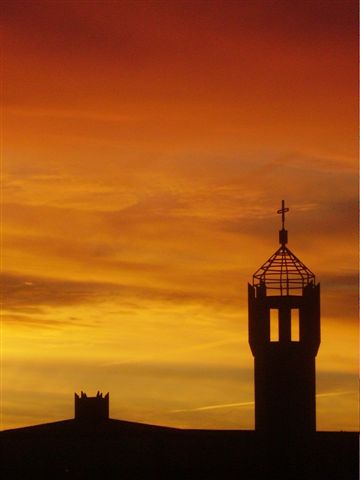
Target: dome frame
283, 273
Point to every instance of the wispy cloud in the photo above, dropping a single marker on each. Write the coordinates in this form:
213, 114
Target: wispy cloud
27, 291
73, 114
141, 195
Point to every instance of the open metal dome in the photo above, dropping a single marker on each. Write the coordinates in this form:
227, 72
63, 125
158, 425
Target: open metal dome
283, 273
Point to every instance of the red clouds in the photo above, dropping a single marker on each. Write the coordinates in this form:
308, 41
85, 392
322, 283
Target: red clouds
146, 148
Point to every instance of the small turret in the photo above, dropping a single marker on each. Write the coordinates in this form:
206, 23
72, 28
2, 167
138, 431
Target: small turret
91, 409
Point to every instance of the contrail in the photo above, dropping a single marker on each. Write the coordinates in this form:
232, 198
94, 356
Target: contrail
334, 394
247, 404
214, 407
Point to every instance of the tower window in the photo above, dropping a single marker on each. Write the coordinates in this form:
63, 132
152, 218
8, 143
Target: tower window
274, 325
295, 325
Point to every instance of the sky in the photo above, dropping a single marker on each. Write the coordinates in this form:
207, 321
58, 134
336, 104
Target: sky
147, 146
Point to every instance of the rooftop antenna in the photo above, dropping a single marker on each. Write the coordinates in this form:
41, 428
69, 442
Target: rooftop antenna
283, 234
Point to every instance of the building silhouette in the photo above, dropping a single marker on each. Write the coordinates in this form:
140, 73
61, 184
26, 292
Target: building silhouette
284, 336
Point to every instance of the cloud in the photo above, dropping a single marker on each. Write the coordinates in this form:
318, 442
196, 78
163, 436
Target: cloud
42, 320
23, 293
28, 291
184, 370
142, 193
124, 27
234, 195
166, 245
340, 281
73, 114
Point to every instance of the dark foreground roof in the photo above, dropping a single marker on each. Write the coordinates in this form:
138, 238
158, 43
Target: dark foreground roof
125, 450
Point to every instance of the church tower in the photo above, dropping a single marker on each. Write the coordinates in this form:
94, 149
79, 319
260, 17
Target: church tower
284, 336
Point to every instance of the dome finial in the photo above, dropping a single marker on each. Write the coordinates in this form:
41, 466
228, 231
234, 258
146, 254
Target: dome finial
283, 273
283, 237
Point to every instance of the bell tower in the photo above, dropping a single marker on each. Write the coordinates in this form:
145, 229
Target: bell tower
284, 336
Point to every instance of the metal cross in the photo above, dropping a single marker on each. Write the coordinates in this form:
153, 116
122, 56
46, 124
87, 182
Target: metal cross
283, 210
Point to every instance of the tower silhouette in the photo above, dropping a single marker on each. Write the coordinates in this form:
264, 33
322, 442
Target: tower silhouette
284, 336
91, 409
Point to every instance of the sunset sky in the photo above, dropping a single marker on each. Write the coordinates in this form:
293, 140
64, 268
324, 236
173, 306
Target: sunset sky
146, 148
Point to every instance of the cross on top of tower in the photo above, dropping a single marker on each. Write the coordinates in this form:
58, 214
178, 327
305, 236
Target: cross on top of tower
283, 271
283, 210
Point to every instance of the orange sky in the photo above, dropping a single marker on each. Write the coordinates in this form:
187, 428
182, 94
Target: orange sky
147, 146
